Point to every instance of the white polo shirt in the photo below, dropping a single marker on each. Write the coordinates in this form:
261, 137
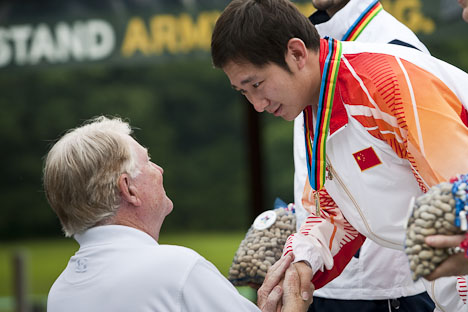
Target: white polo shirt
119, 268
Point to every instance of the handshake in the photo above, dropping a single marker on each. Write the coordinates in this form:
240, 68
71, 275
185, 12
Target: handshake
282, 289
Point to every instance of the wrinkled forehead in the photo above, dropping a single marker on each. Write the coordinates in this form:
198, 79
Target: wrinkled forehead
137, 149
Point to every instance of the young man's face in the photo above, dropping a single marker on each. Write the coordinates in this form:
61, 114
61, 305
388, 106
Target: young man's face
270, 88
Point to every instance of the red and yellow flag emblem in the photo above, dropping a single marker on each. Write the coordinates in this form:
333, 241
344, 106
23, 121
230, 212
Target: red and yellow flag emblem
367, 158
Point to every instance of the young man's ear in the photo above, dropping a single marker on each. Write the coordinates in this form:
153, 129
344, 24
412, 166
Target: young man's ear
297, 52
128, 191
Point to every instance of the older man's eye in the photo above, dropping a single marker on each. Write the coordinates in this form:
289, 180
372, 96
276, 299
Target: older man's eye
256, 85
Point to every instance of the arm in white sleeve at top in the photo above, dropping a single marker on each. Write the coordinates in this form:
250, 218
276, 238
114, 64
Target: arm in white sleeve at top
206, 289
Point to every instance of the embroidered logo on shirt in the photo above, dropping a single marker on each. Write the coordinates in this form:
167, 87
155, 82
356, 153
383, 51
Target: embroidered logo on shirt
81, 265
367, 158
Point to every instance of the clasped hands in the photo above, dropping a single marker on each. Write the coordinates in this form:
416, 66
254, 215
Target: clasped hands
287, 287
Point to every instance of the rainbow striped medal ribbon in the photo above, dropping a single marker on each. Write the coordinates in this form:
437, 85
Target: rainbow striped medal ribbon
316, 149
362, 21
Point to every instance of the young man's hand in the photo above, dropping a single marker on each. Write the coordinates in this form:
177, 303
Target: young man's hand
292, 294
305, 275
284, 289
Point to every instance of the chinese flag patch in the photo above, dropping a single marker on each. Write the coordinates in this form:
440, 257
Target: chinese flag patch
367, 158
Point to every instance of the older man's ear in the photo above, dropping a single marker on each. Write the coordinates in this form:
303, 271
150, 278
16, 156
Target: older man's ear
128, 190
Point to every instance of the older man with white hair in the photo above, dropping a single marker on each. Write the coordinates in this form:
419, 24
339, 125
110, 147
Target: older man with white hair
110, 197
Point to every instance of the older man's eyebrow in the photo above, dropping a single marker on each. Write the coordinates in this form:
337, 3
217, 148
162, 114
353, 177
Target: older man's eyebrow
147, 153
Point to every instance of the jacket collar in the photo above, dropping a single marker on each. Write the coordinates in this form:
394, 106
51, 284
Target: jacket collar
339, 117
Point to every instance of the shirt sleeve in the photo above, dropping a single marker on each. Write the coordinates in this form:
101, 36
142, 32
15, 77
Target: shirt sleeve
206, 289
419, 116
436, 123
326, 241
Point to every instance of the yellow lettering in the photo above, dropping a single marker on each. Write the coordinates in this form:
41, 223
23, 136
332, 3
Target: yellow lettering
164, 30
176, 34
198, 35
136, 38
181, 34
186, 33
306, 8
409, 13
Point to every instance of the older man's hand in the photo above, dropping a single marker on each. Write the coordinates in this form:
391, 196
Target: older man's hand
269, 294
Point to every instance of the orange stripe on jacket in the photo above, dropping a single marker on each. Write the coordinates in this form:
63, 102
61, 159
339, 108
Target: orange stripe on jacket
438, 111
330, 244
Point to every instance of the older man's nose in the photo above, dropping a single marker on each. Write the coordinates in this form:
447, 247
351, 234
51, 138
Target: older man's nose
158, 167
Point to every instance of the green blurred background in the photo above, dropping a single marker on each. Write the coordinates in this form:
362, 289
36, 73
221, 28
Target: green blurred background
62, 62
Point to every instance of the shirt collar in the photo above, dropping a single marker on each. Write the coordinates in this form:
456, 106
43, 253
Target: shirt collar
337, 26
109, 234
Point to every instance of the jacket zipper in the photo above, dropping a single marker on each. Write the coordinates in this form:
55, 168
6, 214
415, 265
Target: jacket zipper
433, 297
333, 174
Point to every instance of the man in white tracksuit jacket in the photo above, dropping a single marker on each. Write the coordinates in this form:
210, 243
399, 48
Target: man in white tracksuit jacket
401, 169
376, 274
389, 122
